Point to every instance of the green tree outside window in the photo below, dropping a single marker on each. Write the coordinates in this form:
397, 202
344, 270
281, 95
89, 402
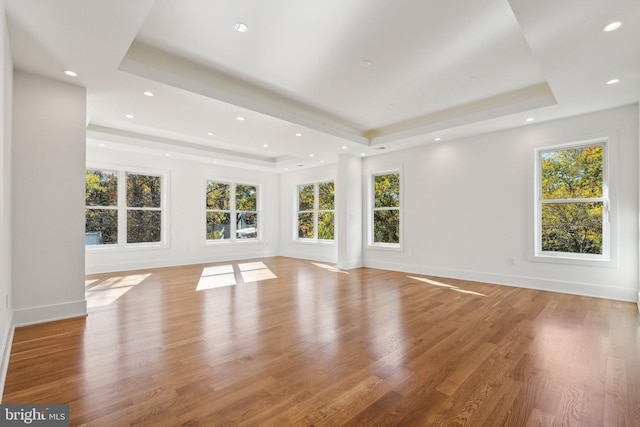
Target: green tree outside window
572, 200
386, 209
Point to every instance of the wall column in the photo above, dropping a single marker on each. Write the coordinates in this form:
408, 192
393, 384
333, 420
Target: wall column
349, 193
48, 169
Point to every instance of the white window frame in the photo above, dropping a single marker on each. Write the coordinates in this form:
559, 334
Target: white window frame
122, 207
372, 209
604, 259
233, 238
315, 211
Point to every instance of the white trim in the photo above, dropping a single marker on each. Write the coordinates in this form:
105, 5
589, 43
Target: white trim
370, 211
173, 262
5, 352
558, 286
315, 257
49, 313
165, 219
316, 211
233, 212
608, 141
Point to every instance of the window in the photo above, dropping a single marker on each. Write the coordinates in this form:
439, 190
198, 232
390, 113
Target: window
144, 208
101, 212
225, 201
316, 211
385, 229
123, 207
246, 212
572, 202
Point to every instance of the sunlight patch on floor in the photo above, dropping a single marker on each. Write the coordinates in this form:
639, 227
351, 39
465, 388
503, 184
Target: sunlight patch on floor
453, 288
218, 276
331, 268
103, 292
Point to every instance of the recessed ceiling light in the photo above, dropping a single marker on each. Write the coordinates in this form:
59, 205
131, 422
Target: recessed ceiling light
298, 134
129, 116
101, 145
311, 155
612, 26
344, 147
147, 93
241, 27
240, 118
265, 145
613, 81
167, 155
211, 134
286, 169
362, 154
365, 63
321, 161
437, 139
529, 119
71, 73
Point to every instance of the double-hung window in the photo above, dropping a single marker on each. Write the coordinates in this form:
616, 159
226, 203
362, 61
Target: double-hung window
572, 209
231, 211
316, 211
385, 212
144, 208
123, 208
101, 207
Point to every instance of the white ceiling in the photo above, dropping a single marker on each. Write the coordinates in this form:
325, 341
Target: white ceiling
437, 69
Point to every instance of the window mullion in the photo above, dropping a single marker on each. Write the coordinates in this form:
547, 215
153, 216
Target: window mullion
233, 214
122, 208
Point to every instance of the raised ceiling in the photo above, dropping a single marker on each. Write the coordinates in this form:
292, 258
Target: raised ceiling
328, 77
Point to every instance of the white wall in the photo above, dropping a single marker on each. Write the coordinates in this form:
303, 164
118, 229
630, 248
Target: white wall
289, 245
48, 158
468, 205
349, 196
6, 79
186, 233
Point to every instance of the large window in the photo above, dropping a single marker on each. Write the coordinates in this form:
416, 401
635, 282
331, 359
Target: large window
122, 207
316, 211
225, 201
385, 212
572, 203
144, 208
101, 212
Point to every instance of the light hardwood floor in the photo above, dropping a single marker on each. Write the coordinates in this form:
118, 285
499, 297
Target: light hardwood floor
299, 343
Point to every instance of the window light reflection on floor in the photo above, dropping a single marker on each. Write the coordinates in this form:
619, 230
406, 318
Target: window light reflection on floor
218, 276
331, 268
453, 288
102, 292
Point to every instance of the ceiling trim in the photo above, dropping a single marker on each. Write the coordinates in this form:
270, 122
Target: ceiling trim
148, 141
513, 102
160, 66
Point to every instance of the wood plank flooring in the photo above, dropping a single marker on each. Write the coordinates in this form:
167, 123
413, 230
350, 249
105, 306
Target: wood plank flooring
299, 343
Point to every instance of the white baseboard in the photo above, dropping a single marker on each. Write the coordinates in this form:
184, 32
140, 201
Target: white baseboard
297, 255
566, 287
48, 313
174, 262
6, 339
348, 265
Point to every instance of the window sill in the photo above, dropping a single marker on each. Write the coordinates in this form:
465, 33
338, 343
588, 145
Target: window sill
232, 242
315, 242
568, 259
131, 247
385, 247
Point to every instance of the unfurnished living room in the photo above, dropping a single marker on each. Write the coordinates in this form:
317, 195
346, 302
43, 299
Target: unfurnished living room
320, 213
